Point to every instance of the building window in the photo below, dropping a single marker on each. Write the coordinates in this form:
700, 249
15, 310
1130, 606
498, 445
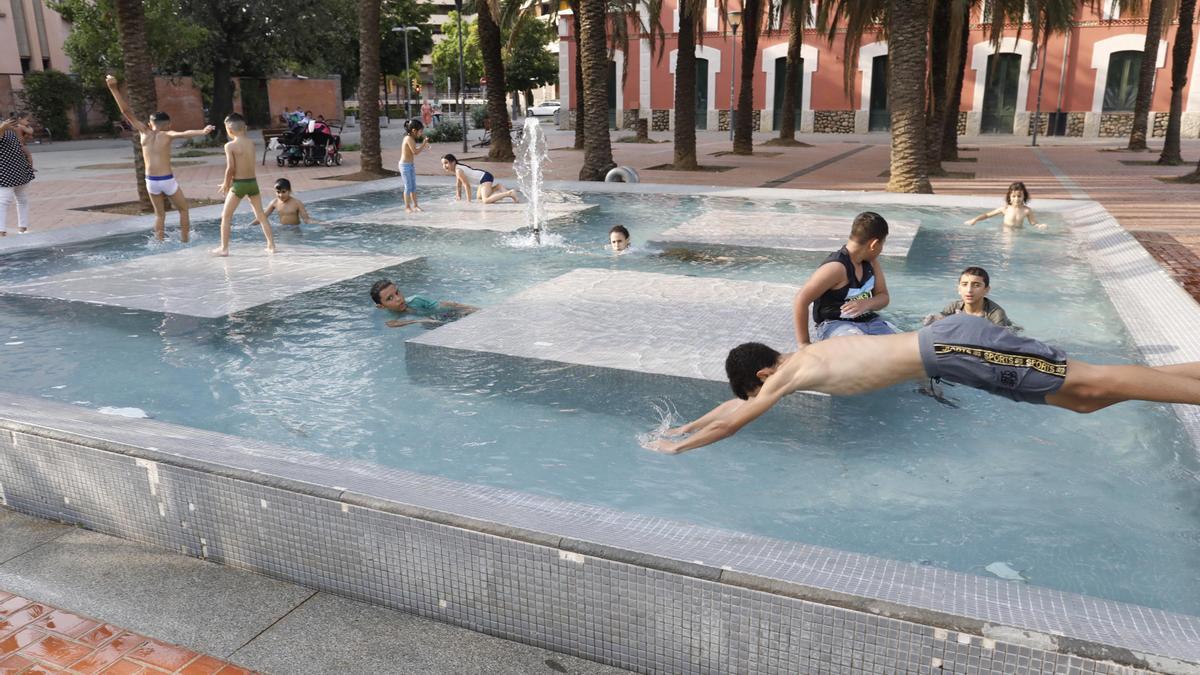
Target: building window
1120, 89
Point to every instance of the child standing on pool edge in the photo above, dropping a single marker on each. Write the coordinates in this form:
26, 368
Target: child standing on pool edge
240, 182
409, 150
1016, 210
490, 191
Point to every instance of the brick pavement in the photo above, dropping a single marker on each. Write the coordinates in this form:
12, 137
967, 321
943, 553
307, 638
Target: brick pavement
38, 638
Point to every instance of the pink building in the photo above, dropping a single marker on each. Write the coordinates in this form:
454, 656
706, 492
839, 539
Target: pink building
31, 39
1091, 76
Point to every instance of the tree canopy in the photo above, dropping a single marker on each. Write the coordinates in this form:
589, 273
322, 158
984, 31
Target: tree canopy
445, 53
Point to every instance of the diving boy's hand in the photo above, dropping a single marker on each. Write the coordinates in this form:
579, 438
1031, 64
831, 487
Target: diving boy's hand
664, 446
677, 431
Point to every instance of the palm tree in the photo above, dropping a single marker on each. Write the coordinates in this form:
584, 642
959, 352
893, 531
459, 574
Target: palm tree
1145, 90
579, 130
690, 14
908, 33
940, 47
1181, 52
139, 78
593, 53
799, 14
1049, 17
743, 123
368, 85
500, 149
954, 85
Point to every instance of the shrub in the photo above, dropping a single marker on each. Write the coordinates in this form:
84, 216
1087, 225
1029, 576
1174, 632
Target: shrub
479, 113
49, 94
446, 132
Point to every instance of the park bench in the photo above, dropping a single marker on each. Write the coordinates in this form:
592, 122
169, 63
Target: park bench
269, 134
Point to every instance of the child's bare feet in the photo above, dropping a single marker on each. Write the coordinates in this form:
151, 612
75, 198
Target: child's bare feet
417, 208
22, 230
408, 209
271, 249
3, 233
221, 251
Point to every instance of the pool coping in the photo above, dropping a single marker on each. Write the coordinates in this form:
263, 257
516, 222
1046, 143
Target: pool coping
1144, 295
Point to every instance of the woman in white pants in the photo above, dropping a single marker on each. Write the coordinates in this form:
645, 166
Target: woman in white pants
15, 176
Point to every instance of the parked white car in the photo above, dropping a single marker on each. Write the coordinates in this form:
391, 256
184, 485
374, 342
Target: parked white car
545, 108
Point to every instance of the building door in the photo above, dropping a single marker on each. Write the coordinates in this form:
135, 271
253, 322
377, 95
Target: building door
780, 87
1000, 93
702, 93
612, 94
881, 114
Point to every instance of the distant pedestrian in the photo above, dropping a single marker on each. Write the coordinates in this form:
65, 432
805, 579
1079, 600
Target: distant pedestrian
427, 113
16, 173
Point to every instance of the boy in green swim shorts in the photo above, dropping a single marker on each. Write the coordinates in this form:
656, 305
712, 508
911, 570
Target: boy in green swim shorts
240, 182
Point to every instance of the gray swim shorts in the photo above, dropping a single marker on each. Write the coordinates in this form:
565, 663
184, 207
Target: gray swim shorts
972, 351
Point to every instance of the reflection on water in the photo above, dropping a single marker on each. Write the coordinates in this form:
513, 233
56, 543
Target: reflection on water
1105, 504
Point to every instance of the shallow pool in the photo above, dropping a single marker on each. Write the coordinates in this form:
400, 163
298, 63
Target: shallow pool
1106, 504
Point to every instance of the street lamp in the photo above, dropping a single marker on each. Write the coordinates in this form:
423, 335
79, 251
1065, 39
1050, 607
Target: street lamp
735, 20
407, 69
462, 76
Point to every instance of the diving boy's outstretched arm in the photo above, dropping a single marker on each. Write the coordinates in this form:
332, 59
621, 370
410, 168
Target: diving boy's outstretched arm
725, 427
720, 412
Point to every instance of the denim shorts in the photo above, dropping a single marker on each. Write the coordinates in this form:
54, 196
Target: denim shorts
408, 173
876, 326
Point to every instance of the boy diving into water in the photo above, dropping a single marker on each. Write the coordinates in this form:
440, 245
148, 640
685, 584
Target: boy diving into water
960, 349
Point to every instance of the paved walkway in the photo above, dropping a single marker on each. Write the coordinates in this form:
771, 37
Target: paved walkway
176, 608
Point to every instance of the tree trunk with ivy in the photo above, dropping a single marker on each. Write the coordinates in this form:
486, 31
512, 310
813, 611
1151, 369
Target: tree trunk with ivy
139, 79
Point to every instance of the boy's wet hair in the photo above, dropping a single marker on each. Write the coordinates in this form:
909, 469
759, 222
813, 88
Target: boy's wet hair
742, 366
283, 184
621, 229
160, 116
868, 225
235, 121
450, 158
377, 288
413, 125
977, 272
1018, 185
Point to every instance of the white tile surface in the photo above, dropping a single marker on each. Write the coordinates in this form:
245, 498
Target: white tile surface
196, 283
776, 230
659, 324
500, 217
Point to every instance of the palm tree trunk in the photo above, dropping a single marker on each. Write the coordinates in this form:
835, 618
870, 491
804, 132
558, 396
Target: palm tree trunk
368, 85
954, 100
1181, 53
685, 90
939, 53
792, 79
500, 149
1037, 109
579, 130
743, 130
909, 38
139, 79
597, 149
1145, 92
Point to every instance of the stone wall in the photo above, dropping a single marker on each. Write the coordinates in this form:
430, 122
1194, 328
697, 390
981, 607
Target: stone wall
1116, 124
660, 120
962, 123
1075, 122
833, 121
723, 120
1042, 120
1160, 124
629, 118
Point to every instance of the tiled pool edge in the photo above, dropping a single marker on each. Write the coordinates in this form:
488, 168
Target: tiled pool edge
1131, 285
387, 537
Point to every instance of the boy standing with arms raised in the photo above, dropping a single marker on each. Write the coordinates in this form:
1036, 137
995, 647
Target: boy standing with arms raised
240, 182
156, 138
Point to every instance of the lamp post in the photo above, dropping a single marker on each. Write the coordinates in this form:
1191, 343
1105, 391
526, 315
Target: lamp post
735, 21
407, 70
462, 76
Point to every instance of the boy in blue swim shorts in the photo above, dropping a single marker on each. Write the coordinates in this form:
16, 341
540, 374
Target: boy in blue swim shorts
961, 349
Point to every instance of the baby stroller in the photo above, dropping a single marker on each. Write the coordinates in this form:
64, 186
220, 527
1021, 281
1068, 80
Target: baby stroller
291, 147
323, 145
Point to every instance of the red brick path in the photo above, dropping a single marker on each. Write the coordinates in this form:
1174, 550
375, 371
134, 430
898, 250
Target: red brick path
38, 638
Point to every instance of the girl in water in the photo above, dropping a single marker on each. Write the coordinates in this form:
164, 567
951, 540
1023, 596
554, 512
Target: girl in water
1015, 210
489, 191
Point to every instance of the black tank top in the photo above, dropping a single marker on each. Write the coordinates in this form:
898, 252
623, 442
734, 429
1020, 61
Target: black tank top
828, 307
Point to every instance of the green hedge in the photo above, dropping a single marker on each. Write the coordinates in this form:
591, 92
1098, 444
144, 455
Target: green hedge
49, 94
446, 132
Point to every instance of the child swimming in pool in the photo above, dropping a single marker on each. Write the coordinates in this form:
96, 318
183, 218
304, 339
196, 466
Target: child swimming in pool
618, 239
240, 182
385, 295
413, 129
973, 287
488, 190
1016, 210
291, 209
